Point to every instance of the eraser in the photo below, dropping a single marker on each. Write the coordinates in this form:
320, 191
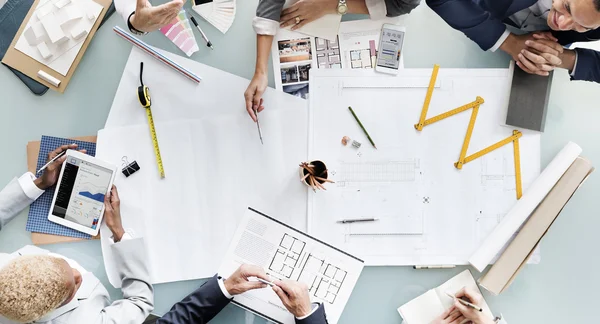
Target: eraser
48, 78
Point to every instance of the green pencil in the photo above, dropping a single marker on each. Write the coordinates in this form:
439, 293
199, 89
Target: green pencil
362, 127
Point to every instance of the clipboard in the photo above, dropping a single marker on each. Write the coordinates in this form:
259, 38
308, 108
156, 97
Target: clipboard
33, 150
30, 67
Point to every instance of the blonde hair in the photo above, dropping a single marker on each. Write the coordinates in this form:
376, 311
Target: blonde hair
31, 287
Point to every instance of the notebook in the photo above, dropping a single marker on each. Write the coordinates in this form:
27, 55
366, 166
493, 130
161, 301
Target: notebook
425, 308
37, 221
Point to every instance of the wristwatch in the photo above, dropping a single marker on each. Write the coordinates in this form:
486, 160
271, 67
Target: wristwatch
342, 7
132, 29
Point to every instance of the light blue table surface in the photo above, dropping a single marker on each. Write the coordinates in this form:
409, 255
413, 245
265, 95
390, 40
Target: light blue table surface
561, 289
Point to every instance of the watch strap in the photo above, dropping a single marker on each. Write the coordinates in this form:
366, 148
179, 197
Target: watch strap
131, 28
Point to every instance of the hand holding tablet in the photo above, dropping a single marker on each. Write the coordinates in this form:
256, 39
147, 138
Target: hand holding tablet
52, 168
83, 184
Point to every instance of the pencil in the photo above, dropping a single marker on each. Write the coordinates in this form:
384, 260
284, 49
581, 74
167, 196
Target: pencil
362, 127
466, 303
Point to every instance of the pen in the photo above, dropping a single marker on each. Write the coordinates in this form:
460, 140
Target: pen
441, 266
50, 162
362, 127
208, 43
266, 282
466, 303
346, 221
258, 125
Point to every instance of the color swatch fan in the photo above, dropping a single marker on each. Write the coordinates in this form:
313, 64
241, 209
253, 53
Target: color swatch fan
219, 13
179, 31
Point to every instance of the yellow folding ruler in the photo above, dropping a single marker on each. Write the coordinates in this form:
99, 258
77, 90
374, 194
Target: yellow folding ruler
463, 158
144, 98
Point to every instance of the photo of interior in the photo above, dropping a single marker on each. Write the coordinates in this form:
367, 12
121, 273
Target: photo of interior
294, 50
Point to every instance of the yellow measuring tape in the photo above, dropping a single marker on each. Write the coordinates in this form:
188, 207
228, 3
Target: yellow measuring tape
463, 158
144, 98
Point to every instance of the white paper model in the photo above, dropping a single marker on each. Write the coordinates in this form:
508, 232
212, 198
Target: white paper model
61, 3
35, 33
44, 51
52, 27
43, 11
77, 32
288, 254
68, 17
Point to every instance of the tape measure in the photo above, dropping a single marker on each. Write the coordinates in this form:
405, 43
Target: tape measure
463, 158
143, 94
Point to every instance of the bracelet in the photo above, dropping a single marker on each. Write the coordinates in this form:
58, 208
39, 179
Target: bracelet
132, 29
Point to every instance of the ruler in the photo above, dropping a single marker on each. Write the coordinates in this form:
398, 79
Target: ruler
161, 169
463, 158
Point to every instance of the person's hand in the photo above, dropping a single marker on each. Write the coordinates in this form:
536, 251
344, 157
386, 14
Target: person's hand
450, 316
148, 18
50, 175
537, 53
112, 214
474, 297
307, 11
253, 94
294, 296
238, 282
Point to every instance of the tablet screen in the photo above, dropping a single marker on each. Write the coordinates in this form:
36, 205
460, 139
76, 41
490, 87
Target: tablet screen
80, 197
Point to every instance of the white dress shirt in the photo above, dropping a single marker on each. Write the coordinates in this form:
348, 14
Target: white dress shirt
124, 8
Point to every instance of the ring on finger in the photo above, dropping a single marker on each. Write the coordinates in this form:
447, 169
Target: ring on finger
298, 20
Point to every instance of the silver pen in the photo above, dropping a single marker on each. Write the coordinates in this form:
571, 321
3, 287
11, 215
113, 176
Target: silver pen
346, 221
208, 43
266, 282
50, 162
258, 125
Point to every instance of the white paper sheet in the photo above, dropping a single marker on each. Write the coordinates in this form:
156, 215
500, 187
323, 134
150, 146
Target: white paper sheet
214, 163
519, 213
411, 177
64, 54
289, 254
294, 53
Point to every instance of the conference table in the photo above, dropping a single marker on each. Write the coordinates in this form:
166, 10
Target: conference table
562, 288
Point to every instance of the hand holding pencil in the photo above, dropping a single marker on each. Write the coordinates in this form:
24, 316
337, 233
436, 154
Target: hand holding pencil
468, 303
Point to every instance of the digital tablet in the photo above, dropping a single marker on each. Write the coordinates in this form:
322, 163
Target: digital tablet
78, 201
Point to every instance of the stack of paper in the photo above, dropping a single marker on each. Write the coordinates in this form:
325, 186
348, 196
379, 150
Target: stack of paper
425, 308
179, 31
219, 13
516, 254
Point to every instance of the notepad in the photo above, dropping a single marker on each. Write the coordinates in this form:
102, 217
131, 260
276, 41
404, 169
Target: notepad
425, 308
37, 221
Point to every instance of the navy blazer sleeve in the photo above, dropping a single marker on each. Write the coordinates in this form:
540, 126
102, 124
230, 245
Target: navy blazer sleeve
318, 317
199, 307
588, 65
472, 19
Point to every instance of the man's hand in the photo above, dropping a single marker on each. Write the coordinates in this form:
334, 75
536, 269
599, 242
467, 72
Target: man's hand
148, 18
112, 214
238, 282
253, 94
307, 11
294, 296
451, 316
476, 317
50, 175
537, 53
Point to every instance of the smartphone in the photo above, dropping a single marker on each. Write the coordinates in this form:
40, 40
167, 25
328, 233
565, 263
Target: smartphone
390, 49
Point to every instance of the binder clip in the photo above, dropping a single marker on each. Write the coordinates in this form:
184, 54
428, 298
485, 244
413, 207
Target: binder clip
130, 168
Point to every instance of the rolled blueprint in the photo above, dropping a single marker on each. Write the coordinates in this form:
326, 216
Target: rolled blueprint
524, 207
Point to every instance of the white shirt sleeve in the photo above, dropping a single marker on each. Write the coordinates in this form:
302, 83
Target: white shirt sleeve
500, 41
221, 283
575, 65
125, 8
315, 306
30, 189
377, 9
264, 26
126, 236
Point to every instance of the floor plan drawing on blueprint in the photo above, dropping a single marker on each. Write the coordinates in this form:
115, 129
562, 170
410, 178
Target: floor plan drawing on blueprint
426, 210
288, 254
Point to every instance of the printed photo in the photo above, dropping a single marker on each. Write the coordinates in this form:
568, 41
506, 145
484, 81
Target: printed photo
289, 74
298, 90
294, 50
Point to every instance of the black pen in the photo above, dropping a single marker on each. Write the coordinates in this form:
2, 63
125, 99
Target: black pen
208, 43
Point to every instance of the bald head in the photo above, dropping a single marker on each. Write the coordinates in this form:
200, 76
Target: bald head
33, 286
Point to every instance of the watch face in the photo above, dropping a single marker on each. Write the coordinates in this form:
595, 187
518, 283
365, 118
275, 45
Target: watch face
342, 9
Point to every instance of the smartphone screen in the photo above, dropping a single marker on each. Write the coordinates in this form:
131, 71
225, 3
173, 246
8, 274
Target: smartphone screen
390, 46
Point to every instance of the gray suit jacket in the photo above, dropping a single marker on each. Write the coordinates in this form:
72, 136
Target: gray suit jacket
91, 304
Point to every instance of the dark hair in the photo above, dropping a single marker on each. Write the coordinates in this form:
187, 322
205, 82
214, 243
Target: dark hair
597, 4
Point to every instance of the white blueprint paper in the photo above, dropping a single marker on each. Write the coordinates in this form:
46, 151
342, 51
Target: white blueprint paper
430, 212
214, 163
288, 254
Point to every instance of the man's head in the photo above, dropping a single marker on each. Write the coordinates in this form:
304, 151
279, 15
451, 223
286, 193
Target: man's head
33, 286
577, 15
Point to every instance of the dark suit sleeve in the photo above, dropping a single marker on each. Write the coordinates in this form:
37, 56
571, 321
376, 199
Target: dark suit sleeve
588, 65
318, 317
400, 7
471, 19
199, 307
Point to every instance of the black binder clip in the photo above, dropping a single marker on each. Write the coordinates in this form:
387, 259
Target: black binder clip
130, 168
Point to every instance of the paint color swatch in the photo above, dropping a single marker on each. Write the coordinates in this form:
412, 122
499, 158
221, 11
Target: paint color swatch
219, 13
179, 31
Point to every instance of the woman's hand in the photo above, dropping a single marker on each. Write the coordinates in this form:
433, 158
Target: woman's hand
253, 95
305, 11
